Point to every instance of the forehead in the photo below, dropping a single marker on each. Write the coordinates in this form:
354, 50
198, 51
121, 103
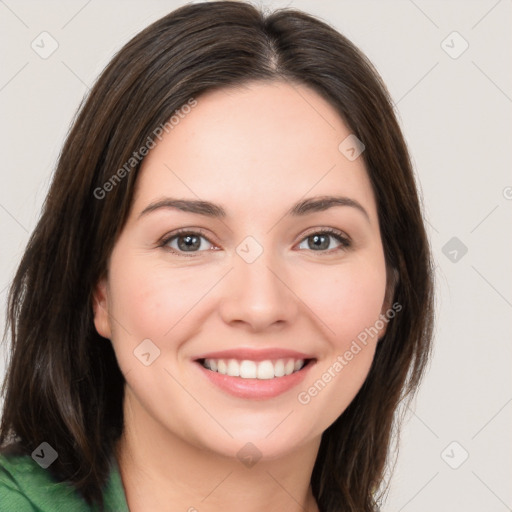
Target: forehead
247, 145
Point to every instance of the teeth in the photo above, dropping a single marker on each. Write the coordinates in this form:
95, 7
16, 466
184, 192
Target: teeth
233, 368
265, 370
222, 367
246, 369
279, 368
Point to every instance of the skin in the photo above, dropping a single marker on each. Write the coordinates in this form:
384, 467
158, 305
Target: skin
255, 151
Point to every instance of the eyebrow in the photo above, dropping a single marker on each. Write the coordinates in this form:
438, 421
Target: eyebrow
208, 209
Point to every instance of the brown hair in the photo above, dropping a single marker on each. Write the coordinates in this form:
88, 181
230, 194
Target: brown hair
63, 384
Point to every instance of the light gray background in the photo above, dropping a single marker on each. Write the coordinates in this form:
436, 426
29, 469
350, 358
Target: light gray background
456, 115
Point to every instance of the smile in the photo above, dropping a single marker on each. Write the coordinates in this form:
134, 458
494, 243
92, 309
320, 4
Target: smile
255, 374
247, 369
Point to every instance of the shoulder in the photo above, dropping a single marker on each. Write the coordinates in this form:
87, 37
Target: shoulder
27, 487
11, 496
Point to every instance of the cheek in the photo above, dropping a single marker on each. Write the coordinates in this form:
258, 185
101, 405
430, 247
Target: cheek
152, 301
347, 302
154, 296
349, 306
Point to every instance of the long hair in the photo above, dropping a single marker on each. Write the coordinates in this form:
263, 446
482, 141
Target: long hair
63, 384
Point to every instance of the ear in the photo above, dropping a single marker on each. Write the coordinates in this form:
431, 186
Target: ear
100, 309
385, 313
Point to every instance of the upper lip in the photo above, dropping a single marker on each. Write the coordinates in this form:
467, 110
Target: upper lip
252, 354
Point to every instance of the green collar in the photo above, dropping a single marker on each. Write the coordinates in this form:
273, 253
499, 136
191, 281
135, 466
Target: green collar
27, 487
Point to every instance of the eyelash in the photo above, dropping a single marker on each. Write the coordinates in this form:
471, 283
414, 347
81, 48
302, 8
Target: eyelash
344, 241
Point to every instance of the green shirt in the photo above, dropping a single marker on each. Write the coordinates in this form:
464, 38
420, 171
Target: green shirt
27, 487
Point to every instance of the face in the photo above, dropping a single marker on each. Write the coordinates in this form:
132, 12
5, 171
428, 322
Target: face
254, 318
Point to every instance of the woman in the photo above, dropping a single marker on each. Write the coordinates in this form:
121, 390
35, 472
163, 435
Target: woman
229, 290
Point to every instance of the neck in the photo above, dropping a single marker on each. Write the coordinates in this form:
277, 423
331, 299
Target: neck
159, 469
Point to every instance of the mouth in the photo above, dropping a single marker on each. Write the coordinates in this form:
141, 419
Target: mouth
249, 369
255, 374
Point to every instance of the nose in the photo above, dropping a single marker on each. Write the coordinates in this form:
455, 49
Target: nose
259, 295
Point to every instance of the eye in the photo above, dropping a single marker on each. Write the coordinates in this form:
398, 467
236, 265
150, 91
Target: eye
185, 241
320, 241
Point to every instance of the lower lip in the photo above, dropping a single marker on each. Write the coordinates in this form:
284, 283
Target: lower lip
257, 389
